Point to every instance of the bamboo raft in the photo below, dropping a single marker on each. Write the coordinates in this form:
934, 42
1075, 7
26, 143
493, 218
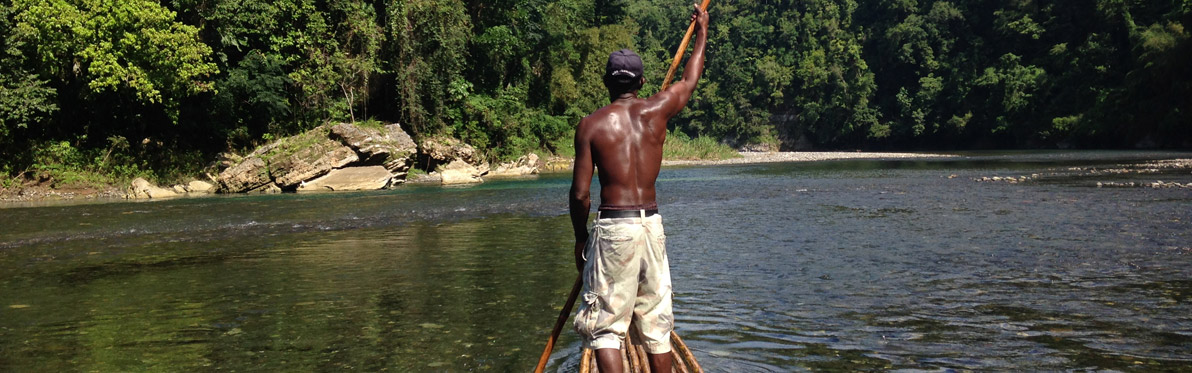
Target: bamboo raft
635, 360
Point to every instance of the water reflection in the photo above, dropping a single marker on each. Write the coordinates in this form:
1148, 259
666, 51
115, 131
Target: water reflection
467, 295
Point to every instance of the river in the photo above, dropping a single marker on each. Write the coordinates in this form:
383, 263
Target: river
839, 265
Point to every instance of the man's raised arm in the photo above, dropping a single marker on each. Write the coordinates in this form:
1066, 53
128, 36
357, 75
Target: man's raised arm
677, 95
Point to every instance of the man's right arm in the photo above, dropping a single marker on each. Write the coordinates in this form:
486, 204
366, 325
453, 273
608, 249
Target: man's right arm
580, 196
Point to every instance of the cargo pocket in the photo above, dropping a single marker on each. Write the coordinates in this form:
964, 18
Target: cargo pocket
585, 322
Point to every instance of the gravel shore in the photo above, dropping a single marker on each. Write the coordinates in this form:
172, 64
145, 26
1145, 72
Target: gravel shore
769, 157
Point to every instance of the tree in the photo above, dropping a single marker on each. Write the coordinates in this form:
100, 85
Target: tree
128, 47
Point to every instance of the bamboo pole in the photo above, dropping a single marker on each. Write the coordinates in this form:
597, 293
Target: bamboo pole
563, 316
635, 361
670, 73
680, 366
584, 361
687, 356
625, 361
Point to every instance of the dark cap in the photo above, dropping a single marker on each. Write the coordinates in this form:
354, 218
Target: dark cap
624, 65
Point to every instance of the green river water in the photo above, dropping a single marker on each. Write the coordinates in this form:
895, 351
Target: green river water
838, 266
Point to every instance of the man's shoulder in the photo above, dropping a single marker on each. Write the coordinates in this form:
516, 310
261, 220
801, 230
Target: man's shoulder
597, 118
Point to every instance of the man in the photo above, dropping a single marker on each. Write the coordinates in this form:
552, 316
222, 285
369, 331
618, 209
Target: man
623, 259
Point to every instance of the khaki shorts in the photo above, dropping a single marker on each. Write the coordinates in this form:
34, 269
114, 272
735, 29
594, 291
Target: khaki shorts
626, 278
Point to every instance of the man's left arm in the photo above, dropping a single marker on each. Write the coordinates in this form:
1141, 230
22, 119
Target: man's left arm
580, 196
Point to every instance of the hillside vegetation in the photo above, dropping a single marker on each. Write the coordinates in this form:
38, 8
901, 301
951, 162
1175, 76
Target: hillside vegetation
160, 87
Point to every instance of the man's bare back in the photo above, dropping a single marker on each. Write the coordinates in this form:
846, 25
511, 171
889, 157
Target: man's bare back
626, 144
623, 141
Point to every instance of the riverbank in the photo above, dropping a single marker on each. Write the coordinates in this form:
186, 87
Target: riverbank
35, 192
41, 192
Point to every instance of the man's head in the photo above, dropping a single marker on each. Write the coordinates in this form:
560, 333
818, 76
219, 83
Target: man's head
623, 73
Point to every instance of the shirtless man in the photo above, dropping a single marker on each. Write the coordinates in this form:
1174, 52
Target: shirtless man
623, 259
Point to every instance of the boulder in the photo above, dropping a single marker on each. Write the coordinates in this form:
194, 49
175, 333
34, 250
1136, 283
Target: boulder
249, 174
557, 164
288, 163
526, 165
443, 150
309, 162
351, 178
198, 186
267, 189
141, 189
388, 146
427, 178
460, 172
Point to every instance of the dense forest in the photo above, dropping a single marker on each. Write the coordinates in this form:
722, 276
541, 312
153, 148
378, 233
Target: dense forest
157, 86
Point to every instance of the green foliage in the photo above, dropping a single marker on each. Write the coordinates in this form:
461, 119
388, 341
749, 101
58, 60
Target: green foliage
24, 100
65, 165
429, 49
158, 87
508, 128
115, 46
253, 99
679, 146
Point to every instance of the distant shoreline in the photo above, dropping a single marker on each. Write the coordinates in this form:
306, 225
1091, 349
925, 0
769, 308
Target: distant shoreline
12, 197
773, 157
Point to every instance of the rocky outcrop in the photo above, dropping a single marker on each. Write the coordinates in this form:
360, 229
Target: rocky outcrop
351, 178
197, 186
452, 161
436, 151
141, 189
460, 172
526, 165
249, 174
389, 147
292, 162
309, 162
557, 164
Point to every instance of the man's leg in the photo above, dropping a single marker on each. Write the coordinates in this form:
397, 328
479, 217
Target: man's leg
660, 362
609, 360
